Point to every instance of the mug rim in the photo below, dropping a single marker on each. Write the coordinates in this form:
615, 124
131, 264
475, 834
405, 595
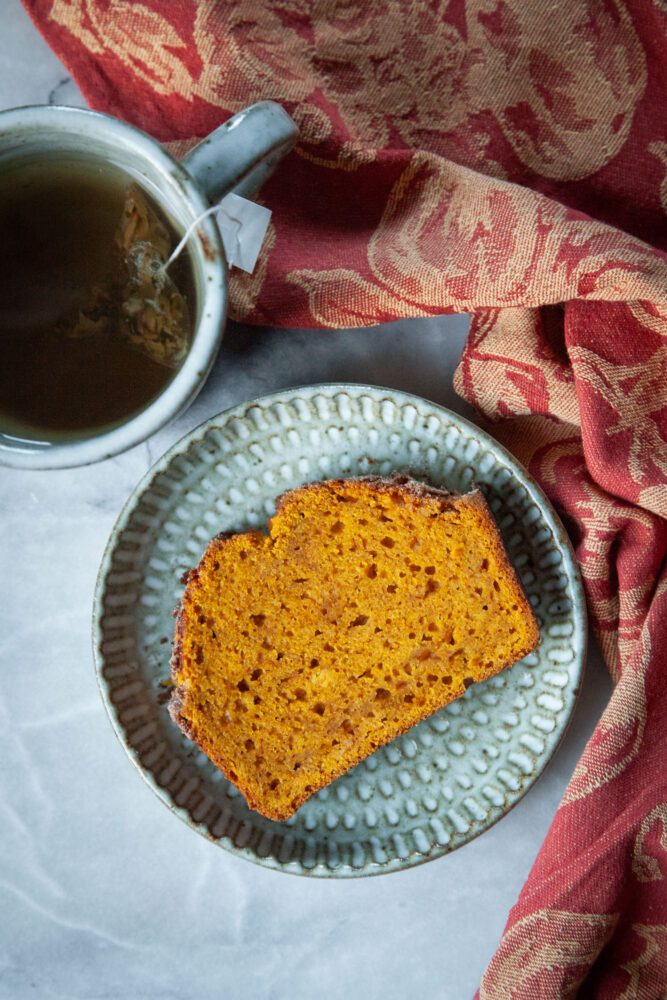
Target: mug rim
212, 297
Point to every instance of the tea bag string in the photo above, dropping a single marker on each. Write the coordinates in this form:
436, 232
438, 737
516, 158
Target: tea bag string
191, 228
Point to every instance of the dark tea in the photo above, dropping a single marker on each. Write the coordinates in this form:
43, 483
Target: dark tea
93, 328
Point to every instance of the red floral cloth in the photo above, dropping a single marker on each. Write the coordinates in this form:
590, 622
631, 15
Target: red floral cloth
507, 158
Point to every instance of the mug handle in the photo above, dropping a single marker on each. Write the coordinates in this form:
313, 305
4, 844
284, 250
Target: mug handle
241, 154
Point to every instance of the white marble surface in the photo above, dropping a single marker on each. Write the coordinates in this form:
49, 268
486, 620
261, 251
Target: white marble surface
103, 893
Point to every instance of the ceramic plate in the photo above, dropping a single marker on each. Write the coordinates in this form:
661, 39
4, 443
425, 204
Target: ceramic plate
449, 778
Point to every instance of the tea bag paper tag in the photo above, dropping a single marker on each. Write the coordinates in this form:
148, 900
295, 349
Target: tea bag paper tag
242, 226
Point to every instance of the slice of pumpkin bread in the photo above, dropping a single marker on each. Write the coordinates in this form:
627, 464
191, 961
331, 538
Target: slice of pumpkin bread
371, 604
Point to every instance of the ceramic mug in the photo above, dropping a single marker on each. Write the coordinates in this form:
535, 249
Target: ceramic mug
238, 156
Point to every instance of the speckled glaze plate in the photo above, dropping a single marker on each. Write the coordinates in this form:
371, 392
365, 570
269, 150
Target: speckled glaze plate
449, 778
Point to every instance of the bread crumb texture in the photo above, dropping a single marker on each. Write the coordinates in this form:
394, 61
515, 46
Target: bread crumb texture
370, 605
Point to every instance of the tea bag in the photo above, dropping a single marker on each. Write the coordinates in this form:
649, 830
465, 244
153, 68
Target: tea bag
139, 303
154, 312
